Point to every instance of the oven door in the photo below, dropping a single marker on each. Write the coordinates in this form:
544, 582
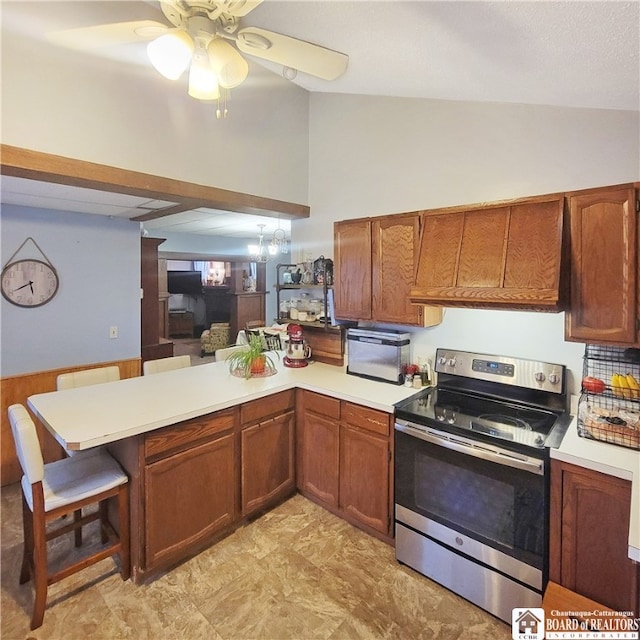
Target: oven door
496, 499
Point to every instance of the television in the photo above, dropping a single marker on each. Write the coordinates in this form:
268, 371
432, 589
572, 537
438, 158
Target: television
186, 282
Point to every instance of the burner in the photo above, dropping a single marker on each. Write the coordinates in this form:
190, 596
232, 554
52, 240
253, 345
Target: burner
506, 421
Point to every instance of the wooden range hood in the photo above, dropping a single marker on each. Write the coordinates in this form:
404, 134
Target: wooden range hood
506, 255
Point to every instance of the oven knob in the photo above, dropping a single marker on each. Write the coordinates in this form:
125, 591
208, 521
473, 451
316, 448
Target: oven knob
452, 362
554, 378
540, 377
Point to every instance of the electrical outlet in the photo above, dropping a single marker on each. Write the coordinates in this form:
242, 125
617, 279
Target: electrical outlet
113, 332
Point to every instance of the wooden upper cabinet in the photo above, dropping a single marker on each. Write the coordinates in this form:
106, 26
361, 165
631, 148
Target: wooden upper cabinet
604, 266
507, 256
375, 261
352, 264
395, 242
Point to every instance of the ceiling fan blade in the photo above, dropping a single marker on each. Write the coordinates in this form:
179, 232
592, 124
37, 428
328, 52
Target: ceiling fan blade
104, 35
239, 8
291, 52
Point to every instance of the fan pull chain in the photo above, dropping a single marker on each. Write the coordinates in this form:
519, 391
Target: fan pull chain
222, 111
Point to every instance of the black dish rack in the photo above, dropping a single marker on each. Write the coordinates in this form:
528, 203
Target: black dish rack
610, 412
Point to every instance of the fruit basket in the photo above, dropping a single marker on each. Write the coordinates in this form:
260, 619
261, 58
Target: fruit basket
609, 408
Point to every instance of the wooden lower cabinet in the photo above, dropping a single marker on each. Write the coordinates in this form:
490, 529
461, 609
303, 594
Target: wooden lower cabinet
320, 453
345, 460
189, 496
364, 477
196, 481
267, 451
268, 466
588, 544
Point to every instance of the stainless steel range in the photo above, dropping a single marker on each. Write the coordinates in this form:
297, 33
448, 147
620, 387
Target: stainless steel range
471, 477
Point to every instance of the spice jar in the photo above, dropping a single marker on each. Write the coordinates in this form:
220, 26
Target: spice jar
285, 306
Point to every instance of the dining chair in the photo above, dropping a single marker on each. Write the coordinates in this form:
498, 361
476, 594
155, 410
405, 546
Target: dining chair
166, 364
253, 324
272, 341
58, 488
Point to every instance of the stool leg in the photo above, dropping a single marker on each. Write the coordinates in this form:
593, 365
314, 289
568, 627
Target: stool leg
103, 507
27, 534
77, 533
123, 517
40, 568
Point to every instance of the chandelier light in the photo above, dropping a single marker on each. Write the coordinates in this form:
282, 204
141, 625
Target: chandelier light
264, 251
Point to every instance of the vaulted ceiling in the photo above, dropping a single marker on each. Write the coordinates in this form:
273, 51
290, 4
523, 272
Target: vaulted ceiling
575, 53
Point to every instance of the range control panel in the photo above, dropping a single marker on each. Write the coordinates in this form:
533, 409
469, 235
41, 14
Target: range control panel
531, 374
491, 366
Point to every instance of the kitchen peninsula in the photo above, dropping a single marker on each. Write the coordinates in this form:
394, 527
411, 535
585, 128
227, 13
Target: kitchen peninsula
206, 450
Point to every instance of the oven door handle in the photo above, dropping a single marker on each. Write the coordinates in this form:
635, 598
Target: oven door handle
475, 449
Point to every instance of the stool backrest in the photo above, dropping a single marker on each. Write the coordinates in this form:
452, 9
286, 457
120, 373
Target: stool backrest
166, 364
221, 354
27, 444
87, 377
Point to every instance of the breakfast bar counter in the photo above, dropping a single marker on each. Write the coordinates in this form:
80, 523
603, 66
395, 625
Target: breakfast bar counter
86, 417
205, 451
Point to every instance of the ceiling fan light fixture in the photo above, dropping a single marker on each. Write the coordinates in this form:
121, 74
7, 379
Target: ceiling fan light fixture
171, 53
230, 67
203, 83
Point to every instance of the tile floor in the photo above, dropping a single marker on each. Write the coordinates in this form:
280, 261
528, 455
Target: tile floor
298, 573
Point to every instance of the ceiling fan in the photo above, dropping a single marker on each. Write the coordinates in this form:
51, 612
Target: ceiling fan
206, 37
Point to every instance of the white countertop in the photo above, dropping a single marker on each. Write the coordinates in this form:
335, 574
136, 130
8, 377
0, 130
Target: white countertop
610, 459
86, 417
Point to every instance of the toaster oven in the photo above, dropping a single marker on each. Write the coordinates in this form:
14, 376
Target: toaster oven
378, 354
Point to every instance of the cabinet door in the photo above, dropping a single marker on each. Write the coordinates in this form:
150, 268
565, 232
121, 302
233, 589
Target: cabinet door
364, 477
395, 242
189, 496
604, 246
268, 467
504, 257
320, 457
589, 536
352, 269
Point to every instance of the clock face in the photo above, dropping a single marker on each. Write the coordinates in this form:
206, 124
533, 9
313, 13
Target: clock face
29, 283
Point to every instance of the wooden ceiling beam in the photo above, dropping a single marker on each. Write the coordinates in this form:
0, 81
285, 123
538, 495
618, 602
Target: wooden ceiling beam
45, 167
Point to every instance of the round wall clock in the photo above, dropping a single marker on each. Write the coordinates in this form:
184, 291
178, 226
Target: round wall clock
29, 282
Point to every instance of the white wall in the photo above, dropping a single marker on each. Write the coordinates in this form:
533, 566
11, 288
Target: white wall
372, 156
85, 106
88, 107
98, 263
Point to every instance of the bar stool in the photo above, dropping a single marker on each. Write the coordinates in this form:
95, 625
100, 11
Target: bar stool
166, 364
85, 378
52, 490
